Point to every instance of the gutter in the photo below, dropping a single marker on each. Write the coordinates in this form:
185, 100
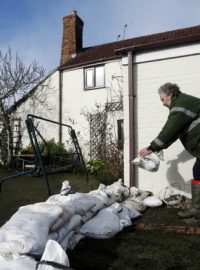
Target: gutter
131, 96
68, 66
160, 44
60, 104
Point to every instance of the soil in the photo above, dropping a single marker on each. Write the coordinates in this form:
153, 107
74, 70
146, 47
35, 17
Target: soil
165, 218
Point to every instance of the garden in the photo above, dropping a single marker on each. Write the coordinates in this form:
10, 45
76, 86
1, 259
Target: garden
153, 246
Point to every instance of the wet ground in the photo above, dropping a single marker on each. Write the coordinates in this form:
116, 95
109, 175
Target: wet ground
166, 218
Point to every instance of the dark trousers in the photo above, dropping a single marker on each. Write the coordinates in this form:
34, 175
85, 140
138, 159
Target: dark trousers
196, 169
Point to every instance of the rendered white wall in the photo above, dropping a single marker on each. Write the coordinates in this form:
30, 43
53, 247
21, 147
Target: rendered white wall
176, 170
77, 102
47, 109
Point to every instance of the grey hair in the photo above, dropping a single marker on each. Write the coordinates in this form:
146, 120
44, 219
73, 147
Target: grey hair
169, 89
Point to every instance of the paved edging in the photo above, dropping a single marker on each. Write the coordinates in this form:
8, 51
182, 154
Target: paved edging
168, 228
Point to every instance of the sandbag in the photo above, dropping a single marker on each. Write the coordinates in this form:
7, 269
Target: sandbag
117, 191
139, 194
150, 163
104, 225
74, 239
80, 202
59, 235
65, 188
19, 263
28, 228
124, 218
134, 205
108, 222
68, 212
152, 201
53, 253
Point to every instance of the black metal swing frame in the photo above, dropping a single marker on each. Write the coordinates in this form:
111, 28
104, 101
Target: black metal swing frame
40, 164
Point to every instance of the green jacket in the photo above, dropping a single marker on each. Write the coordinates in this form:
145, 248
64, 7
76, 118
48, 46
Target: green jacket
184, 123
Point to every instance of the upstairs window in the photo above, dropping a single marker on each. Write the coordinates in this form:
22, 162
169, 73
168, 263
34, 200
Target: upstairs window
94, 77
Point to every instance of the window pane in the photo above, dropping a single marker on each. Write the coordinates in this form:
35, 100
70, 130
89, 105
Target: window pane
89, 78
99, 76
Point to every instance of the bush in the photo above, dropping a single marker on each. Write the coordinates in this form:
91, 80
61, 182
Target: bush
28, 150
52, 147
47, 148
94, 166
101, 170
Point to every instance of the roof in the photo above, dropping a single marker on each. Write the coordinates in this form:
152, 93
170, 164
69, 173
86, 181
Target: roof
111, 51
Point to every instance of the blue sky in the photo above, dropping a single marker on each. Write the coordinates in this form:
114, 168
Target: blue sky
33, 28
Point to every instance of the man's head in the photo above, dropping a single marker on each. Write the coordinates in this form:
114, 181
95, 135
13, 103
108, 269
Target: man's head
166, 92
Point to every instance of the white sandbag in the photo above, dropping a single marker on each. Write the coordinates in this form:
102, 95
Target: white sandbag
134, 205
169, 197
80, 202
100, 197
124, 218
131, 206
165, 193
59, 235
53, 253
101, 201
173, 199
152, 201
74, 239
104, 225
65, 241
20, 263
65, 188
29, 226
10, 250
117, 191
139, 194
68, 212
135, 199
87, 216
150, 163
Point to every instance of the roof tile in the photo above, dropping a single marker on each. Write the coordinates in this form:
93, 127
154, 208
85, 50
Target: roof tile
107, 51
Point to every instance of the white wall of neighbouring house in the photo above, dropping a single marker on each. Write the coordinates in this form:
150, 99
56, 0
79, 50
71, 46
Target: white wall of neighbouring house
78, 102
180, 65
43, 103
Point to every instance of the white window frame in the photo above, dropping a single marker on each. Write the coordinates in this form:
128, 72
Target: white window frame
93, 84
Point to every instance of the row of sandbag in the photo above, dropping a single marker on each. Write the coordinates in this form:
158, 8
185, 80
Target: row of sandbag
68, 218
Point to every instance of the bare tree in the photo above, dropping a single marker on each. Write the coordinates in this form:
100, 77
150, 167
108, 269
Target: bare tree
16, 81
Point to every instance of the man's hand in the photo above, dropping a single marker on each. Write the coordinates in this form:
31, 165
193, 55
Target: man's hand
144, 152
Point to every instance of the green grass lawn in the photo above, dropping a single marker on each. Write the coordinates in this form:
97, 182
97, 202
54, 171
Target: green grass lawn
24, 190
129, 250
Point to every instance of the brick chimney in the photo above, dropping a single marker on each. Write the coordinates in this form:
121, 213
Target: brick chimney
72, 40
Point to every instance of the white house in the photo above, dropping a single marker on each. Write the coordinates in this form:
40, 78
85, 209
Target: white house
128, 71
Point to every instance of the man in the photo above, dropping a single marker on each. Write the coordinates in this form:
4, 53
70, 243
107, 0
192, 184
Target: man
184, 123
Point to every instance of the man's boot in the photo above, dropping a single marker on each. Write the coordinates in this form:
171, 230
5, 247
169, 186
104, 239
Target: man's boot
194, 211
